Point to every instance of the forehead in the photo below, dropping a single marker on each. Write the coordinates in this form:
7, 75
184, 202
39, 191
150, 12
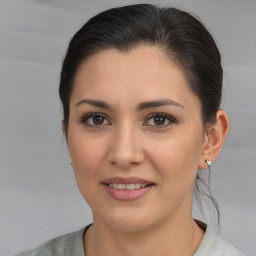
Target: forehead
148, 58
143, 72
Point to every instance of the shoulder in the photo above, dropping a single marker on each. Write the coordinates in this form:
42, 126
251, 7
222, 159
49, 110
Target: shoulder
213, 245
65, 245
225, 248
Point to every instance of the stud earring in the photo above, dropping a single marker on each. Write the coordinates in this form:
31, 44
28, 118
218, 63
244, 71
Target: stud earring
70, 162
208, 162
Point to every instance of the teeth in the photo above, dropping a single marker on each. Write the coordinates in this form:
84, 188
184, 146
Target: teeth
127, 186
121, 186
137, 185
130, 186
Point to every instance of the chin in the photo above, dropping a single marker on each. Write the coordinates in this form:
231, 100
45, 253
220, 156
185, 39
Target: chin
125, 221
129, 226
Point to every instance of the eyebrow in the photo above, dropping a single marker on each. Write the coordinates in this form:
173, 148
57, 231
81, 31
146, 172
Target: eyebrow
140, 107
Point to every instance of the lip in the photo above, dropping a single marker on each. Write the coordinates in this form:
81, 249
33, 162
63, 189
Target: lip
127, 195
129, 180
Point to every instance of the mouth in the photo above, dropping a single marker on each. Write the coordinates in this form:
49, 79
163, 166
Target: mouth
130, 186
127, 189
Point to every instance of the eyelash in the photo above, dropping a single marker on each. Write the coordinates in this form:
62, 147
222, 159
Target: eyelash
171, 119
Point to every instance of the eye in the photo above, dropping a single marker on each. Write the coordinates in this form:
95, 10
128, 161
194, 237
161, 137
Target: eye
160, 120
95, 120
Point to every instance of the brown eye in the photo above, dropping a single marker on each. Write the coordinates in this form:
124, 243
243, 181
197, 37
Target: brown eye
98, 120
160, 120
94, 120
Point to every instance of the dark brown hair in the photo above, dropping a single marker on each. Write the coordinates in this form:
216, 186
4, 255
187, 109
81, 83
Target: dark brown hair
177, 33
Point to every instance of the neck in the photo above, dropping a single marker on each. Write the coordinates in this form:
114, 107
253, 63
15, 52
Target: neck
177, 237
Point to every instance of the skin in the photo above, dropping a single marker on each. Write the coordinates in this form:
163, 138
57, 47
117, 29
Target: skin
130, 143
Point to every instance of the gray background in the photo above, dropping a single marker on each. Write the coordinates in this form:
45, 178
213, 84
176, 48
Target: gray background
38, 195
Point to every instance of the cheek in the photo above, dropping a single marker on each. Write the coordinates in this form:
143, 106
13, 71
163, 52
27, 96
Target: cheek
177, 169
87, 154
177, 159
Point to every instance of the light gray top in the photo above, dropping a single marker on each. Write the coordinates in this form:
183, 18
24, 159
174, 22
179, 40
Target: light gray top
72, 245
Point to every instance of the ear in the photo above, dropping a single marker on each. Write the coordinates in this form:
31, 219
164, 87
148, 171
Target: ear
214, 138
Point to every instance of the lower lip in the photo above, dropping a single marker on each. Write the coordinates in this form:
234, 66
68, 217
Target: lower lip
127, 195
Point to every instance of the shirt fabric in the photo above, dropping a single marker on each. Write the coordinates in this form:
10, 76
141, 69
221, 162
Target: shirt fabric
72, 245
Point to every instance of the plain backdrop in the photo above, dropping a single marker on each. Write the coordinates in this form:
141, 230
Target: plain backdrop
39, 198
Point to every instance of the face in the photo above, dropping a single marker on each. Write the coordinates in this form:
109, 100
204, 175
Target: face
135, 137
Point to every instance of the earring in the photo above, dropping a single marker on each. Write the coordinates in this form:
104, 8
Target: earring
70, 162
208, 162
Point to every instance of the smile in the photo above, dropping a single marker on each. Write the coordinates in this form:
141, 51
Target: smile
127, 186
127, 189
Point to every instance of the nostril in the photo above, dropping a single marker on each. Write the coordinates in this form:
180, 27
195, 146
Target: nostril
126, 157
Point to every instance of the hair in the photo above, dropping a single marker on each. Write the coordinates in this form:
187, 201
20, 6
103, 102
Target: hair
180, 35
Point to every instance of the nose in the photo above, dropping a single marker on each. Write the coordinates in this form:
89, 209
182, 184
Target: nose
126, 149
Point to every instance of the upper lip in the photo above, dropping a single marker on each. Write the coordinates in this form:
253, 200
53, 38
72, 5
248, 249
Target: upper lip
129, 180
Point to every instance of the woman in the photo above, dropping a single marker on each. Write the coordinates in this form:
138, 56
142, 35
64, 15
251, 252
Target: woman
141, 90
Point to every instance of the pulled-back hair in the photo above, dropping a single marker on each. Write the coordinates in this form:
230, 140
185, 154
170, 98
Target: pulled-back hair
180, 35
